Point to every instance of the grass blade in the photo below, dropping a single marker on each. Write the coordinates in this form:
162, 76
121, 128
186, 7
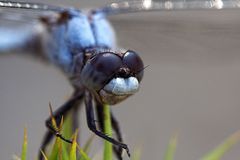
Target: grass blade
73, 150
84, 156
54, 152
53, 121
169, 154
220, 150
136, 154
44, 155
65, 153
108, 131
87, 146
67, 129
24, 146
15, 157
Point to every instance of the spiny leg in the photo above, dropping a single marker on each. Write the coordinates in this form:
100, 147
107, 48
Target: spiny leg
92, 125
118, 132
61, 111
115, 125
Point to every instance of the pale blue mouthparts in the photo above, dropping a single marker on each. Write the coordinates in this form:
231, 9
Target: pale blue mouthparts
122, 86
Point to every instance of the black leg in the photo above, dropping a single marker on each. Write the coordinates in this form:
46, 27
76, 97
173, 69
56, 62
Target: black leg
115, 125
92, 125
99, 109
62, 111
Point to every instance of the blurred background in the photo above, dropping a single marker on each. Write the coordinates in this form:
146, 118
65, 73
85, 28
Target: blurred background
191, 85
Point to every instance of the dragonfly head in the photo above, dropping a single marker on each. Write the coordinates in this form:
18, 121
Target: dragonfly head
112, 76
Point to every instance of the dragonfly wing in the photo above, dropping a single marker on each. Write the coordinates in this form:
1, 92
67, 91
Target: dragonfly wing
20, 29
180, 36
20, 38
121, 7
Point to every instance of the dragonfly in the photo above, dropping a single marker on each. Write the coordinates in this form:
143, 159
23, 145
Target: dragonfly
81, 43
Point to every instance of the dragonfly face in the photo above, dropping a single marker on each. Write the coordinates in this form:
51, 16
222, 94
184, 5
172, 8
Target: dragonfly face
113, 76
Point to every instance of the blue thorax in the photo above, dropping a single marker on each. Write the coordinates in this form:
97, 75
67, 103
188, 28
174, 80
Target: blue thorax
81, 31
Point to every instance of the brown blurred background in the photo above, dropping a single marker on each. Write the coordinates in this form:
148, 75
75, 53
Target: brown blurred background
191, 86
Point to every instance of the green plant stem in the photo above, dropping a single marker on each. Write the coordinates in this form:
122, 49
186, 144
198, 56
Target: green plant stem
169, 154
108, 131
24, 146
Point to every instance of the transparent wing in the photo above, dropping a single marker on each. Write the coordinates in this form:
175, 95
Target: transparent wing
202, 36
30, 6
18, 32
20, 28
192, 30
154, 5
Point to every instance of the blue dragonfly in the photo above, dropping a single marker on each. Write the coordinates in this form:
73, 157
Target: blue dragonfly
82, 44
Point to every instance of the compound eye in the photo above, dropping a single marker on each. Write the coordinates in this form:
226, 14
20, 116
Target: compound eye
99, 70
134, 63
107, 63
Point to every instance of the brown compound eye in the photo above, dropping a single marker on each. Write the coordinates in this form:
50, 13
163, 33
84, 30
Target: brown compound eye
107, 63
134, 63
99, 69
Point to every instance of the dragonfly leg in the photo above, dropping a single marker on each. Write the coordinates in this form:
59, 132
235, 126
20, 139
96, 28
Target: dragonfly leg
92, 125
73, 102
116, 127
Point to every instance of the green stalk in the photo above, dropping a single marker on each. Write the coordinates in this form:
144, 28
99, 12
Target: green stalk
169, 154
108, 131
24, 146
